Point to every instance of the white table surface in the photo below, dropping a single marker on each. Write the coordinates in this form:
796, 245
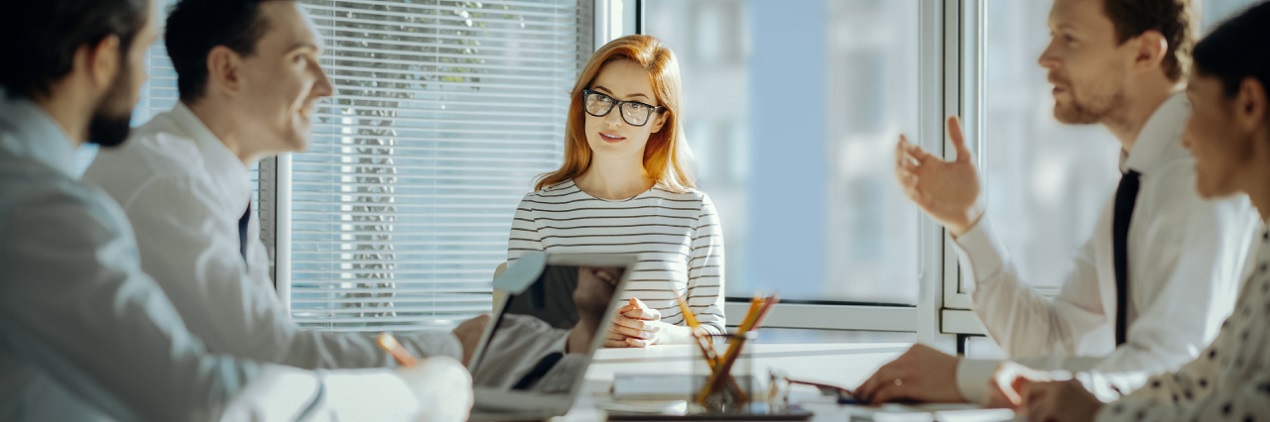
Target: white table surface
844, 364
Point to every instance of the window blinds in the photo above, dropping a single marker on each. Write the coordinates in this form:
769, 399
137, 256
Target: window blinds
443, 113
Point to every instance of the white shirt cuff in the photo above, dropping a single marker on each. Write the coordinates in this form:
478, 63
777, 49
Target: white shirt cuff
972, 378
980, 252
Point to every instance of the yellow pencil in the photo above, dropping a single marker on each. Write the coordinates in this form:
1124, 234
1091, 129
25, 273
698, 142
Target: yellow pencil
723, 366
689, 317
395, 349
759, 308
707, 350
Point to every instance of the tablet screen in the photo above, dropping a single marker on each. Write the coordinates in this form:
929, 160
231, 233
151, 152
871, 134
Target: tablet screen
544, 336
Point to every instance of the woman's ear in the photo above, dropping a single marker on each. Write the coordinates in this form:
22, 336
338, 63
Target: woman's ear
660, 120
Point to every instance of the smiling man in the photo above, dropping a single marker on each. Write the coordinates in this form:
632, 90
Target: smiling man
249, 80
1148, 290
85, 335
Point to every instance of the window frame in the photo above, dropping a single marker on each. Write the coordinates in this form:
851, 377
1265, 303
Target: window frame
962, 98
923, 318
966, 94
942, 309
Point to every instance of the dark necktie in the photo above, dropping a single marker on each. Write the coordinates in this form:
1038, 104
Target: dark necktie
544, 365
242, 231
1126, 198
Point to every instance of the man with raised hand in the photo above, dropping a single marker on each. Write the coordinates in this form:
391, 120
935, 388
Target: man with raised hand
1149, 289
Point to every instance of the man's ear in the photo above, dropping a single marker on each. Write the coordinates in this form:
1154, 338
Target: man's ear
1250, 105
102, 61
1152, 47
224, 71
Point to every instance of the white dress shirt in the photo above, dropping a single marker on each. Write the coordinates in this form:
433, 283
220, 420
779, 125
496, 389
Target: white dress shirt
184, 192
1185, 255
86, 335
1229, 381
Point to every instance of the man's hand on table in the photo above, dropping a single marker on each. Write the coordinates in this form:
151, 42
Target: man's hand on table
920, 374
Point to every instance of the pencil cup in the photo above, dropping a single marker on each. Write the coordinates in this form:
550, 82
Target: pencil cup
726, 385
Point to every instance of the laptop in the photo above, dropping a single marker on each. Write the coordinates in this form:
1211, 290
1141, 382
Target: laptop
554, 313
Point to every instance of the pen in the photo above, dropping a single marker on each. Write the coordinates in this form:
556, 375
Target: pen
395, 349
844, 395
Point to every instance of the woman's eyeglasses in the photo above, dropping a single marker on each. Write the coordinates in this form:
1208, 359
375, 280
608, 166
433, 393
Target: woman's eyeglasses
633, 113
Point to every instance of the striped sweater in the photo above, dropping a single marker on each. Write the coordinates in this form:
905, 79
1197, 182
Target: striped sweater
677, 237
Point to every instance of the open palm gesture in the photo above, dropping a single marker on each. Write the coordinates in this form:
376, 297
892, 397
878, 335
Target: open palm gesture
948, 191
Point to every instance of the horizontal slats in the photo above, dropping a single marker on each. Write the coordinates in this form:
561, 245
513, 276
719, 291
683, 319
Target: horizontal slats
480, 111
557, 10
432, 215
472, 127
419, 261
453, 23
554, 47
379, 323
443, 114
430, 55
431, 153
422, 323
561, 42
490, 89
400, 300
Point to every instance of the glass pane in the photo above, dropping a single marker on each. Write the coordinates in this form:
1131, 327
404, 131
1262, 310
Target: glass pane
1216, 11
443, 113
1035, 168
792, 109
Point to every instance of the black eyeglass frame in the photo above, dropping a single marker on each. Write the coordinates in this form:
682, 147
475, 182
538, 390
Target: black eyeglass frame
616, 103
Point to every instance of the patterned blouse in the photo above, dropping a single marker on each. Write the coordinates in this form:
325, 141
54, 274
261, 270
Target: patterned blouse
1229, 381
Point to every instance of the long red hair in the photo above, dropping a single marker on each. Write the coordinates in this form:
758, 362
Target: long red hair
666, 155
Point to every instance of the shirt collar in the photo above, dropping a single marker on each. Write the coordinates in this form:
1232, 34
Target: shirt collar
1159, 141
221, 163
36, 135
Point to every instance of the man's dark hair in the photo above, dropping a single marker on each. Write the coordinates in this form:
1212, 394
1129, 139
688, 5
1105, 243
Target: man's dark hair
1171, 18
42, 36
1237, 50
196, 26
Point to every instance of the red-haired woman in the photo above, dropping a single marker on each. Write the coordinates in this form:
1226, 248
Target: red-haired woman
624, 187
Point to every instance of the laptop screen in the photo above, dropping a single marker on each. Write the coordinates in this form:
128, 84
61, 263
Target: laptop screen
543, 338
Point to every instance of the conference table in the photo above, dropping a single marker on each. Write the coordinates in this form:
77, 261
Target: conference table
843, 364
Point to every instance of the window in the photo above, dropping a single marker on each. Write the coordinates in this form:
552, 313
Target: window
793, 109
1036, 169
444, 112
